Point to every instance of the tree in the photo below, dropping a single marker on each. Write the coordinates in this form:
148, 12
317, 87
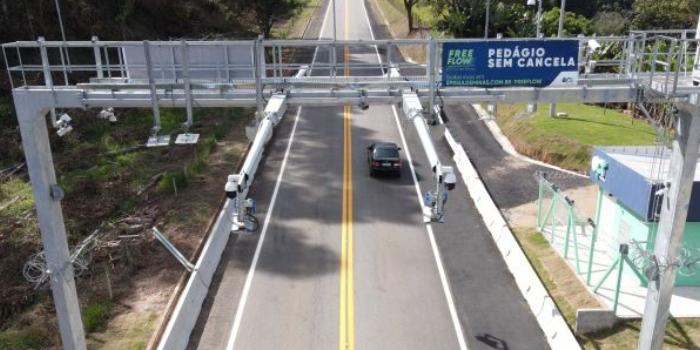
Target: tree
573, 23
665, 14
463, 18
267, 13
408, 4
610, 23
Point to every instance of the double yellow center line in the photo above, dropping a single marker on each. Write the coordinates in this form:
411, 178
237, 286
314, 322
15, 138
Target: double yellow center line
347, 294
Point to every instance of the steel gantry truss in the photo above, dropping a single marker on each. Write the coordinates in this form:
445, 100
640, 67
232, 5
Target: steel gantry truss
50, 75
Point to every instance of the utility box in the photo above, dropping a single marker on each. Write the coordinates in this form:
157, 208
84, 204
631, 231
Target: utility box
632, 182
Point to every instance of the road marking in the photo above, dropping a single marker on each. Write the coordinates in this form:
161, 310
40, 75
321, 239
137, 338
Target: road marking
347, 293
251, 272
371, 32
436, 253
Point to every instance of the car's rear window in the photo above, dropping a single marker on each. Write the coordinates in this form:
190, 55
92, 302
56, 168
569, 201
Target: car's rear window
386, 153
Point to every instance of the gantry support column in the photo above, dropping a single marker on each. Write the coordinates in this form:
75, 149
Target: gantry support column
669, 236
47, 200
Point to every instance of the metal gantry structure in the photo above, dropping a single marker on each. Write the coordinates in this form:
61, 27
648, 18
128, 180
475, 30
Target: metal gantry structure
51, 75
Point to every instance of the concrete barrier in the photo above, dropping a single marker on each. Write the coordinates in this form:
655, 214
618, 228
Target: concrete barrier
594, 320
186, 312
557, 332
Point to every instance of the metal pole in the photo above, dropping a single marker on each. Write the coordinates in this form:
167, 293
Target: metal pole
334, 24
669, 236
47, 200
186, 78
539, 18
48, 79
594, 236
560, 32
259, 72
98, 57
432, 58
63, 33
488, 15
152, 86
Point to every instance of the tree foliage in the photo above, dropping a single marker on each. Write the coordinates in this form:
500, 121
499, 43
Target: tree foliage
573, 24
665, 14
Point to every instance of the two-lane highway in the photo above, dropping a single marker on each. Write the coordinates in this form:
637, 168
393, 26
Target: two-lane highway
343, 260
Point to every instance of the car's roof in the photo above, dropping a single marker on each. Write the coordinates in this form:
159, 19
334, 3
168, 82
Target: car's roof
385, 145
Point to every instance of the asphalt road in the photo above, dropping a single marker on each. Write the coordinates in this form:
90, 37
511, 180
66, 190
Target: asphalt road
343, 260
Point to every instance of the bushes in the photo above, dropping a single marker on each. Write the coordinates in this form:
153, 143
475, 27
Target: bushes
95, 316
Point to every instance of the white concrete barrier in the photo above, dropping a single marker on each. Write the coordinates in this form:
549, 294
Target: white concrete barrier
557, 332
184, 317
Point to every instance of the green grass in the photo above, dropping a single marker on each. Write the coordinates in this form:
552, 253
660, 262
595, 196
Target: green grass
567, 141
27, 338
95, 316
294, 27
569, 295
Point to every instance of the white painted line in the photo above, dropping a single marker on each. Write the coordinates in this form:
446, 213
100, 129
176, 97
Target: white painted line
249, 279
371, 32
433, 244
320, 33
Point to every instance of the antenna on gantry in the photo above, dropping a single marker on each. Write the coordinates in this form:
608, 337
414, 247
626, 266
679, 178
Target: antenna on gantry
186, 138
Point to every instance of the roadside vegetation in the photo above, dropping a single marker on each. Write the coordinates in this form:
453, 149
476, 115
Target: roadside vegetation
567, 141
114, 185
569, 294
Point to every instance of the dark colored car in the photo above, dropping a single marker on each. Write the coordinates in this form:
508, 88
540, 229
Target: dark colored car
383, 157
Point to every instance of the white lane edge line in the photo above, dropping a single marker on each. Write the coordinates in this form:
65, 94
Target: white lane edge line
436, 253
371, 33
251, 272
320, 33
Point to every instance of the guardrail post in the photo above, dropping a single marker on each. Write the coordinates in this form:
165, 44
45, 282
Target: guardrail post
98, 57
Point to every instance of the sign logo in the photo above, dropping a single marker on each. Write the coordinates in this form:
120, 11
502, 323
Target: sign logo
530, 63
460, 58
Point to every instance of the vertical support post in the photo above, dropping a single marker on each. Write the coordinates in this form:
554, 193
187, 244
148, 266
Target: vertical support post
186, 78
488, 17
552, 217
432, 54
560, 32
48, 80
594, 236
98, 57
47, 197
259, 72
674, 212
539, 201
568, 231
152, 85
624, 250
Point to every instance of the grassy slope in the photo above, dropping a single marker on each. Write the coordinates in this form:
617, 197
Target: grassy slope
101, 188
567, 141
570, 295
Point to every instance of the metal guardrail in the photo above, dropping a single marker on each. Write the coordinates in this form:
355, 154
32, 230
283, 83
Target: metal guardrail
660, 61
